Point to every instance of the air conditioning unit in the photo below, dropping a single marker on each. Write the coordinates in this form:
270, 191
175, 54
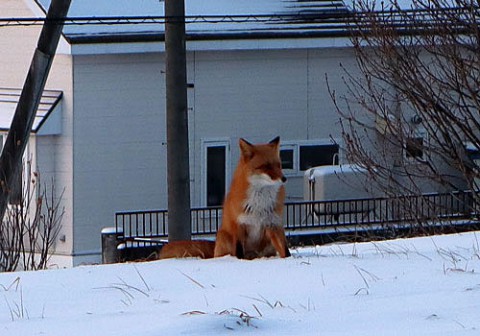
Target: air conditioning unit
340, 182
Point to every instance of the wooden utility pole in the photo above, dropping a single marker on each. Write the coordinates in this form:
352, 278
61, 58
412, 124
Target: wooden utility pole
178, 180
17, 139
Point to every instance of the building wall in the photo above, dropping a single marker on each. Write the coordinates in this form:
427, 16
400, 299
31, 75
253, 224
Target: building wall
119, 124
55, 152
261, 94
114, 144
17, 45
119, 154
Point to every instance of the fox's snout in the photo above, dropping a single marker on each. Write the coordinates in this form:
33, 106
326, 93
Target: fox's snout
265, 179
276, 176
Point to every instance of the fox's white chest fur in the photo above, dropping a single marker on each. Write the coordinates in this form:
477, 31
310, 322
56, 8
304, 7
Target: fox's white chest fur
260, 203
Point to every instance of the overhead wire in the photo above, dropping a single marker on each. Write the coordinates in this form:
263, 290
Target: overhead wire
119, 20
333, 14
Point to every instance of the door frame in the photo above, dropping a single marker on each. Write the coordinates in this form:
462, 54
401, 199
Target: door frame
205, 144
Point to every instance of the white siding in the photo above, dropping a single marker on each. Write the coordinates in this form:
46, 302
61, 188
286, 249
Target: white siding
261, 94
119, 122
54, 153
119, 137
256, 95
17, 45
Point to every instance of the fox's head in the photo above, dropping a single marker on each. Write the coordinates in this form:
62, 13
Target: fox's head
263, 160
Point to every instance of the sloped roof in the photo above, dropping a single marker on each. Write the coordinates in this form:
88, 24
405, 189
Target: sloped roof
9, 98
211, 19
104, 21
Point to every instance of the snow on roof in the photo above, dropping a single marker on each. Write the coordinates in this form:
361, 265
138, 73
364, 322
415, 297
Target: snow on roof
292, 16
216, 19
380, 5
9, 100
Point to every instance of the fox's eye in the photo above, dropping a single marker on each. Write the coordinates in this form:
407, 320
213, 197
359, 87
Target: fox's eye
265, 166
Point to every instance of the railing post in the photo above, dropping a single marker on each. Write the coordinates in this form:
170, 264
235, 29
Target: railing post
110, 242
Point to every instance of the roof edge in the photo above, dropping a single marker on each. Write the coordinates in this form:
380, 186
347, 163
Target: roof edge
223, 36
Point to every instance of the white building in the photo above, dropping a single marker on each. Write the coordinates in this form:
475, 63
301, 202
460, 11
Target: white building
105, 143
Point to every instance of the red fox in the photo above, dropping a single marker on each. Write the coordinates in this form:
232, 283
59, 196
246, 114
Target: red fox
252, 211
186, 248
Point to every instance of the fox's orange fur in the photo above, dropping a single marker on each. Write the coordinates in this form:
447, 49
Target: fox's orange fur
252, 211
188, 249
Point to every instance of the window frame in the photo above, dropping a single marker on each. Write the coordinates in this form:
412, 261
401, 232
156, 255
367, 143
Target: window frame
296, 145
214, 142
418, 134
294, 148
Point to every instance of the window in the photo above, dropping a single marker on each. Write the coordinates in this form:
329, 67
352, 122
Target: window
298, 157
287, 158
473, 152
414, 148
318, 155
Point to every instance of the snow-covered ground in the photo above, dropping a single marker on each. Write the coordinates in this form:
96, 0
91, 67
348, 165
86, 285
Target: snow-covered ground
422, 286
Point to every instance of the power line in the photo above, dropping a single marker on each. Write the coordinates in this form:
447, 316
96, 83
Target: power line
337, 15
319, 16
212, 19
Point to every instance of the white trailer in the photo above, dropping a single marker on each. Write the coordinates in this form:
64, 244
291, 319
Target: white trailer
347, 183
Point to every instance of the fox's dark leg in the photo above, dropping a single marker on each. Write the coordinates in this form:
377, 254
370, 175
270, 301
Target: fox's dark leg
242, 236
279, 241
240, 251
225, 244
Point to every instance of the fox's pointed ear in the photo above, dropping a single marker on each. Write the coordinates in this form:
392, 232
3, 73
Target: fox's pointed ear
275, 141
246, 148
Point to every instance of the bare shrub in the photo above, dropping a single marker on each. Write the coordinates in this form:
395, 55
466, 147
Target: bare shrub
410, 114
31, 225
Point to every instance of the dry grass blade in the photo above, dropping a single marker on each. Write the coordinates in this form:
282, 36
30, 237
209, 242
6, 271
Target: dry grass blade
361, 290
17, 310
362, 272
142, 278
264, 300
476, 247
362, 276
258, 311
127, 286
15, 283
193, 280
194, 312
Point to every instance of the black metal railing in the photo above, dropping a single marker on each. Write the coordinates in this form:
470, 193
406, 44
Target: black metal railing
145, 228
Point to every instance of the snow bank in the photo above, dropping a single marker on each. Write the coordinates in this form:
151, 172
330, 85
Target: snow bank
422, 286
